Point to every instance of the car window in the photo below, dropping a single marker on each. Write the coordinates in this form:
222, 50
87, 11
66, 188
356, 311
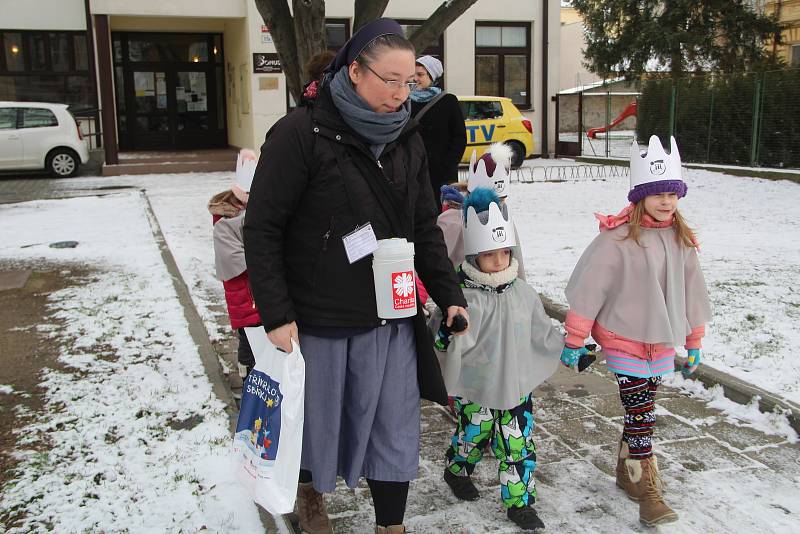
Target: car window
8, 118
38, 118
482, 110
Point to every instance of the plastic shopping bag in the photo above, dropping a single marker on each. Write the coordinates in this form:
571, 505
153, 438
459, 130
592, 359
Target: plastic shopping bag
269, 432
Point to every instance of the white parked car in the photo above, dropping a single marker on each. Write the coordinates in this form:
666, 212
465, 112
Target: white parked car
36, 135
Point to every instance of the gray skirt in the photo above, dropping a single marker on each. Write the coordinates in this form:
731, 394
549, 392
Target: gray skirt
362, 407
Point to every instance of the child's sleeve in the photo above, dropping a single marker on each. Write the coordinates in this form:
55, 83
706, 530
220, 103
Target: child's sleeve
578, 329
593, 279
229, 248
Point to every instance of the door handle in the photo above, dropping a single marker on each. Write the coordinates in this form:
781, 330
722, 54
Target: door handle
13, 136
501, 125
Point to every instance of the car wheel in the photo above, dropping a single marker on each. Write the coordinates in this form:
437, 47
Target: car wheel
63, 163
519, 153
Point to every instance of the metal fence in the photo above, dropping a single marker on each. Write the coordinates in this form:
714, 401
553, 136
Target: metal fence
561, 173
597, 123
749, 119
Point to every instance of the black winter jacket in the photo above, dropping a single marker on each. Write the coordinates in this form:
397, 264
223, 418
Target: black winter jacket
316, 181
444, 136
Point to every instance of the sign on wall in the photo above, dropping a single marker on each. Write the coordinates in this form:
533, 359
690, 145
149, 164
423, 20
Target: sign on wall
265, 63
266, 37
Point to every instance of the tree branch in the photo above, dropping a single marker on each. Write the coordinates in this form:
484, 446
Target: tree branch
279, 20
367, 11
431, 29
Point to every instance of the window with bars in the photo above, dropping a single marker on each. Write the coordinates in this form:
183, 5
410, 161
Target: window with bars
503, 61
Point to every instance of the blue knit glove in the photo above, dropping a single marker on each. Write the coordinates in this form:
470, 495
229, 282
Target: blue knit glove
570, 356
692, 361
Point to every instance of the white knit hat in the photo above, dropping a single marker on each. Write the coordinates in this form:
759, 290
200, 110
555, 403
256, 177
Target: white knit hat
432, 65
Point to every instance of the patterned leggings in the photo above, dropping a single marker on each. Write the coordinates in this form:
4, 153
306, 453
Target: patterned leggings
511, 434
638, 398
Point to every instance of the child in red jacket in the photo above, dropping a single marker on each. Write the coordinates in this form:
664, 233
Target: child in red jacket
228, 209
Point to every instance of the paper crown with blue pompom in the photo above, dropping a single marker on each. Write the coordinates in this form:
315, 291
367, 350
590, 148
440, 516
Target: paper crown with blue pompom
492, 170
489, 229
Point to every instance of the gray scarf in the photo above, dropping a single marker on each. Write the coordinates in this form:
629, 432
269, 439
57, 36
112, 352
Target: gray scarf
377, 129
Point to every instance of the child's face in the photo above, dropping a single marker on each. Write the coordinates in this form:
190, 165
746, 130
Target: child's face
661, 207
494, 261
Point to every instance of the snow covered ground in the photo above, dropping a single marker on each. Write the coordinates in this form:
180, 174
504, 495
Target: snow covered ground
132, 376
117, 413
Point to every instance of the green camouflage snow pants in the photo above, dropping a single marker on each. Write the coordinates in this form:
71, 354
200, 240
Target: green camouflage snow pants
511, 434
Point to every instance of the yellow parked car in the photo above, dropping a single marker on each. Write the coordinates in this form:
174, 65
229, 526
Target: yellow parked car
493, 119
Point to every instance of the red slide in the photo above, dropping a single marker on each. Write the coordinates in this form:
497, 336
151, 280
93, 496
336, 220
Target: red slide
629, 111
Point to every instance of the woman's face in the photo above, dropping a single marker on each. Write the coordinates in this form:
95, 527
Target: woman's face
391, 65
422, 77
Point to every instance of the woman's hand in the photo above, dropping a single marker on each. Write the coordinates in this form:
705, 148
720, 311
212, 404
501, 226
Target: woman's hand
452, 311
282, 336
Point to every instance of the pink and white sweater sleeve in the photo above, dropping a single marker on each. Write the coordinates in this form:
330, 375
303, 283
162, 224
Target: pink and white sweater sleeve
578, 329
695, 337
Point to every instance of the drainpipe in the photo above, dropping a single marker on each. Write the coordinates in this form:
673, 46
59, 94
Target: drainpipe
545, 105
92, 64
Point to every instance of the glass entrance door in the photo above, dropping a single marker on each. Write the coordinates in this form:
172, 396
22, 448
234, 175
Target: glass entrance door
151, 120
170, 91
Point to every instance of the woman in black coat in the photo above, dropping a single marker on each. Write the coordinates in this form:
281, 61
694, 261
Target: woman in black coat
351, 157
442, 123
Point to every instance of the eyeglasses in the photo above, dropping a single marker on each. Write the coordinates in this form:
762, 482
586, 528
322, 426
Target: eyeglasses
394, 84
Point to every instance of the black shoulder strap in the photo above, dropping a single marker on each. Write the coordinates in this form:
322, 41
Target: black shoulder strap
379, 184
429, 105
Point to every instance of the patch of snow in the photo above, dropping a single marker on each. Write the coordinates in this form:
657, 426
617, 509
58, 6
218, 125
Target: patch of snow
6, 390
774, 424
114, 462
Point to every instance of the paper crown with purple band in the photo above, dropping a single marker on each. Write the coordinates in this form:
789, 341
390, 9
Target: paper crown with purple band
492, 170
654, 172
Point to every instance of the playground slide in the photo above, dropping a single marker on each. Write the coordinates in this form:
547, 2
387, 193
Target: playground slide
629, 111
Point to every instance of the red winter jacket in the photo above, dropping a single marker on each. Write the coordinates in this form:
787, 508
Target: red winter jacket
242, 309
241, 306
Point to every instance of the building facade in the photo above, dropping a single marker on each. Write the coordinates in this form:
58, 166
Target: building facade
190, 74
788, 14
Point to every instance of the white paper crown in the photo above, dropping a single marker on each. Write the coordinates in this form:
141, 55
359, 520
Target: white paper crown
479, 177
245, 170
498, 232
655, 165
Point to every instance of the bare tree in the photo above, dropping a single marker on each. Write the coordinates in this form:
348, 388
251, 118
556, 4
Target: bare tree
300, 34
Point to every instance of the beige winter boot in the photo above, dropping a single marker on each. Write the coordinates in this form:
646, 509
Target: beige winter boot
391, 529
623, 480
311, 510
652, 508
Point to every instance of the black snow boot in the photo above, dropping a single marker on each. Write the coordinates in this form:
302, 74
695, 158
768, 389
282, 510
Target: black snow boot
462, 486
525, 517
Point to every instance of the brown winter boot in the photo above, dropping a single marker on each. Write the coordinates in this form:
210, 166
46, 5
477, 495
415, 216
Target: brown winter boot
391, 529
652, 508
623, 480
311, 510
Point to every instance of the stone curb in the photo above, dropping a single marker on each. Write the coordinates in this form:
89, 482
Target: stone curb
206, 350
735, 389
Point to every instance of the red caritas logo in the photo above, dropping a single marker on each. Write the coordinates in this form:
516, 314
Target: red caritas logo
404, 294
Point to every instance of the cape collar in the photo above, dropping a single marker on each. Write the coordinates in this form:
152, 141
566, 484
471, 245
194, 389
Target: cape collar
495, 282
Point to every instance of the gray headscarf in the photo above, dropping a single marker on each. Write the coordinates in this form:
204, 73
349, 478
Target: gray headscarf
377, 129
